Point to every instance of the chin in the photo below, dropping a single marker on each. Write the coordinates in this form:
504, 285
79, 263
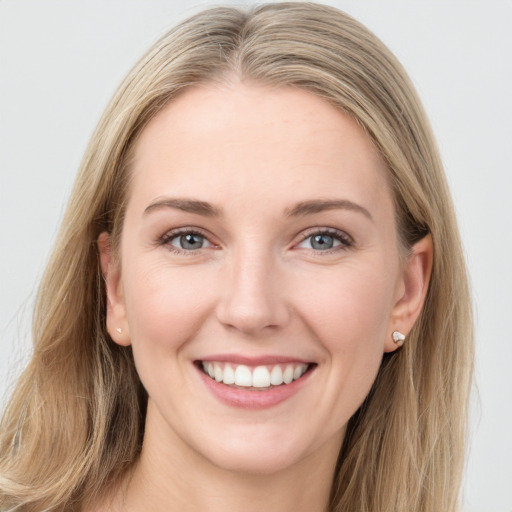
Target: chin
254, 462
263, 452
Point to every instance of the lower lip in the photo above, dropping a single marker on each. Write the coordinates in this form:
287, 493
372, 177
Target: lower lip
253, 399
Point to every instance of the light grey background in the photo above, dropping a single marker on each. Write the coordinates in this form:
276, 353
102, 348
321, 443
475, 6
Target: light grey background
60, 61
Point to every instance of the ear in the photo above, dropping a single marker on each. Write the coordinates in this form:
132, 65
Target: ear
117, 325
411, 291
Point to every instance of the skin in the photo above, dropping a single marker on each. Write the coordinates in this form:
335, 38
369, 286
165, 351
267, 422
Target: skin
256, 287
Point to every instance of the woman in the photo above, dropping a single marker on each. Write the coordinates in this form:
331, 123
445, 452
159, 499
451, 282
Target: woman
258, 290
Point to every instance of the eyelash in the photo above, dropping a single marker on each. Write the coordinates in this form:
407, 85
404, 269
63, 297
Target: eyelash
345, 241
168, 237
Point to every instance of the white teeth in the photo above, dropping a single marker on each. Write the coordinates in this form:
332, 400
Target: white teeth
229, 375
261, 377
299, 370
288, 374
243, 376
276, 377
218, 373
257, 377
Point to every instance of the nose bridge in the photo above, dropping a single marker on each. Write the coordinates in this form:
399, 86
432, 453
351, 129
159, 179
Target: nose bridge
252, 299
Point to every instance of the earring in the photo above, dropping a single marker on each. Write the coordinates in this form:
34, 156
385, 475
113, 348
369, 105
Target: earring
398, 338
119, 330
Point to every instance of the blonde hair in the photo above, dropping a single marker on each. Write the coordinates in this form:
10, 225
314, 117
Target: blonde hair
76, 420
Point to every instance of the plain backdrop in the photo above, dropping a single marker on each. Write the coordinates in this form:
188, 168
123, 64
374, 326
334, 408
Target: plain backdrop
60, 61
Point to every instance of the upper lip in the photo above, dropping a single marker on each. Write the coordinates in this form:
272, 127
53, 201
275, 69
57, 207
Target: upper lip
253, 360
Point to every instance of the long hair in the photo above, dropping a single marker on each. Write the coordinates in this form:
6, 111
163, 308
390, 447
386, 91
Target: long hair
75, 422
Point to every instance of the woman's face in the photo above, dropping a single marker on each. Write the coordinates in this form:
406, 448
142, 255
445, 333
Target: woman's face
259, 246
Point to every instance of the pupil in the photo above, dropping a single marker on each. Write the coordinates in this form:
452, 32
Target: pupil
322, 242
191, 241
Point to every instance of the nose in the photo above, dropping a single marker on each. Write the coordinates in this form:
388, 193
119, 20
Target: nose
252, 296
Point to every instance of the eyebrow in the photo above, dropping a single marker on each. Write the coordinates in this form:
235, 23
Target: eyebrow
320, 205
185, 205
300, 209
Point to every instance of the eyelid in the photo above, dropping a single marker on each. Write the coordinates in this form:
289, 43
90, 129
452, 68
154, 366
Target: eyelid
168, 236
346, 241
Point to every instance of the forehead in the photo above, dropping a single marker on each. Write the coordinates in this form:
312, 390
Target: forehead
228, 141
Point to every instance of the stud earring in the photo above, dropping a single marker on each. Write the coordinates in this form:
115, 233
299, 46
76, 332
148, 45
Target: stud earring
119, 330
398, 338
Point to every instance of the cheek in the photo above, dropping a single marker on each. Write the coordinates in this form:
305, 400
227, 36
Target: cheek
351, 308
164, 306
165, 309
349, 317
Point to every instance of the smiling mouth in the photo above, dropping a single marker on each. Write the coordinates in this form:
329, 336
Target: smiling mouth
257, 378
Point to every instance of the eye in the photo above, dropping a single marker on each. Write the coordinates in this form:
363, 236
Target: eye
189, 241
326, 240
185, 241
